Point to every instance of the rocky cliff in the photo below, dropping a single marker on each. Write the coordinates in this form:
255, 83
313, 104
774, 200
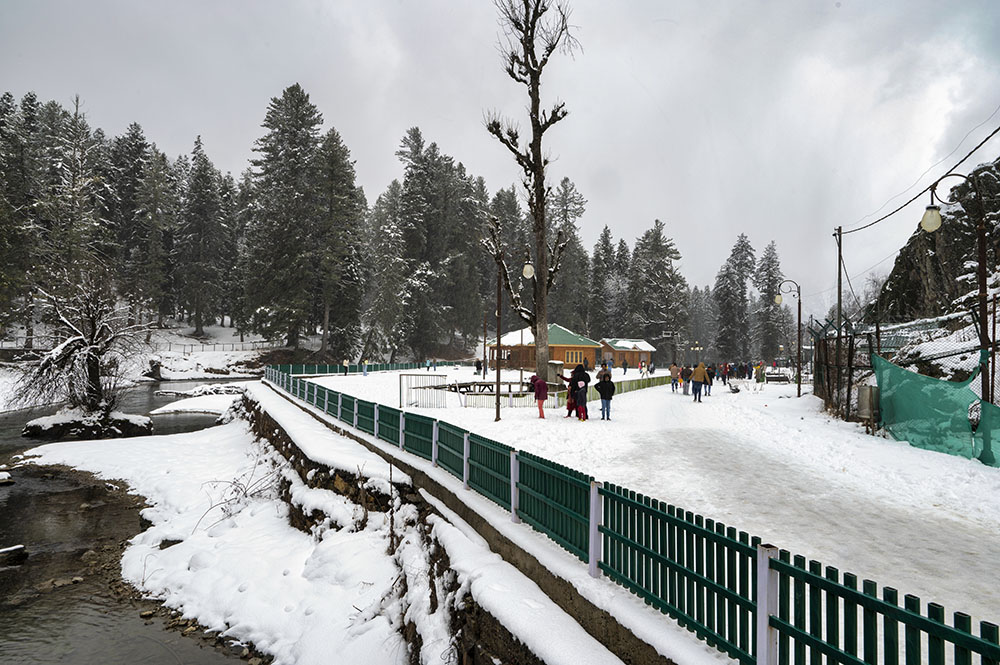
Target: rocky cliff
935, 273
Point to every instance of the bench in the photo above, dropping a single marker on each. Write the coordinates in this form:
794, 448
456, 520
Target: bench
777, 377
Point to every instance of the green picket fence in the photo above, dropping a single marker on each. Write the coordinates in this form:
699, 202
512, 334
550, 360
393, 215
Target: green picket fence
489, 468
388, 424
823, 613
347, 408
699, 572
366, 415
555, 500
451, 448
702, 573
418, 435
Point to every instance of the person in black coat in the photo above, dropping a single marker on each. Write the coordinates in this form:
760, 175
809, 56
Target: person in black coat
580, 382
605, 388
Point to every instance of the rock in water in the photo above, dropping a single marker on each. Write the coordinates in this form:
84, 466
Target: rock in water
13, 556
78, 424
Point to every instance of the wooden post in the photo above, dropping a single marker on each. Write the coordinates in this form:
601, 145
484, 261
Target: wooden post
375, 426
402, 429
850, 377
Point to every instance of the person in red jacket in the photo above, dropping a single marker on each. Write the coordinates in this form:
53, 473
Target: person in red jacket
541, 390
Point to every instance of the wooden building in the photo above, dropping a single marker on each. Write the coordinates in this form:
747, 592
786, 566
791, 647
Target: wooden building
616, 351
517, 348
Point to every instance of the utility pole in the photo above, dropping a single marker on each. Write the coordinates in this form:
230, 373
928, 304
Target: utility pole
840, 313
499, 305
486, 359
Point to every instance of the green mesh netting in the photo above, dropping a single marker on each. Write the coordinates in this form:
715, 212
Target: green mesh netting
988, 434
925, 412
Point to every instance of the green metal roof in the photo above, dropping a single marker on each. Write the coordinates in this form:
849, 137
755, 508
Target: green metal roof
559, 336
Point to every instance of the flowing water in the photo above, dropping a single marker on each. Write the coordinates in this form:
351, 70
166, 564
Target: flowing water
63, 519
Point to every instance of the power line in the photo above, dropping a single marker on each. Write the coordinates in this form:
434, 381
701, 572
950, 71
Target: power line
932, 166
925, 189
863, 272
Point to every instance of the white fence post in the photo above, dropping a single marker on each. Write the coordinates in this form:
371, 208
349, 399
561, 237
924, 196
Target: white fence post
596, 516
434, 445
767, 606
326, 401
515, 471
467, 447
340, 404
355, 413
402, 428
375, 426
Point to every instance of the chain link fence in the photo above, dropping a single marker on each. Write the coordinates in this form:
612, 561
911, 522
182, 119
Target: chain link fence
945, 347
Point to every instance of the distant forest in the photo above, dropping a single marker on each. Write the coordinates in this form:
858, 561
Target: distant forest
294, 248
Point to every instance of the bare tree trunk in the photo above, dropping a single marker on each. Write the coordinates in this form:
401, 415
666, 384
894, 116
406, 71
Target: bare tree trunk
326, 325
29, 322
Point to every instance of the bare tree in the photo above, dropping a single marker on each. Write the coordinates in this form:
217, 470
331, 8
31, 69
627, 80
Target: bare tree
86, 366
532, 31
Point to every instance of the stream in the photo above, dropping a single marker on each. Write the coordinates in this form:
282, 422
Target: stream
64, 604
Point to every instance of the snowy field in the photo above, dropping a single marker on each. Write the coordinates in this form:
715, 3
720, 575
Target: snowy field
777, 467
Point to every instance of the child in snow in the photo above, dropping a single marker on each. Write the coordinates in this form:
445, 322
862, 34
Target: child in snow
570, 395
605, 388
581, 400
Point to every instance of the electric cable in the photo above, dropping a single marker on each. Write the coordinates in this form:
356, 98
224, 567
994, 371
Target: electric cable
925, 189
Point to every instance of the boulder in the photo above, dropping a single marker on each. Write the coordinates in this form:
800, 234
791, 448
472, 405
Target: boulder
78, 424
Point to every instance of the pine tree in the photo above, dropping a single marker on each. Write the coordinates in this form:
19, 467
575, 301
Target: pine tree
387, 319
657, 291
157, 209
279, 290
733, 334
602, 266
129, 156
336, 245
568, 299
767, 279
517, 245
199, 239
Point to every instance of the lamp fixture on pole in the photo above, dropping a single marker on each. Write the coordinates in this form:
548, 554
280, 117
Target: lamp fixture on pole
697, 348
931, 222
798, 327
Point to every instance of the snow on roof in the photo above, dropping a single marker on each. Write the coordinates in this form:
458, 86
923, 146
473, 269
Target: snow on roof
623, 344
558, 336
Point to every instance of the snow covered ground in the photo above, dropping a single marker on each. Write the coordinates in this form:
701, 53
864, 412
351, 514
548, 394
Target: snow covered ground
777, 467
767, 463
238, 566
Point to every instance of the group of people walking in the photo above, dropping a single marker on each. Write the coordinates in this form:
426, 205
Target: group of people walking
699, 379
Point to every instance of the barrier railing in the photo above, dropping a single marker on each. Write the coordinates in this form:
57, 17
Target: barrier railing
758, 604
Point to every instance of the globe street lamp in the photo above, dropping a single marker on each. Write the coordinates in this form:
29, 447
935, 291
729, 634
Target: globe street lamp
798, 327
930, 222
527, 272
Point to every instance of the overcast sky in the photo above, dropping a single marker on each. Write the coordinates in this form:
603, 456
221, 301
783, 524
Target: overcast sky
779, 119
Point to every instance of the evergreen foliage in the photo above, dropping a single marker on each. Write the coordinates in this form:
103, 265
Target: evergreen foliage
732, 340
569, 301
657, 292
767, 279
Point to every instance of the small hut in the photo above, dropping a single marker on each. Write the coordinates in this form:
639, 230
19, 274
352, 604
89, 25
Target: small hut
517, 348
616, 351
